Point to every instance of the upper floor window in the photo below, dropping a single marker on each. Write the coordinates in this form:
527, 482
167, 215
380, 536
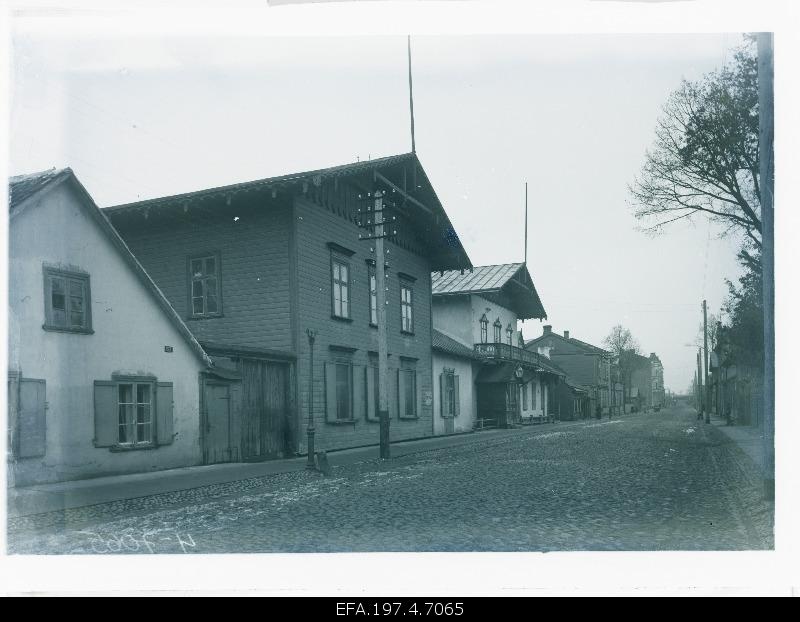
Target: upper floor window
204, 283
67, 301
509, 335
498, 329
520, 340
340, 276
484, 329
406, 308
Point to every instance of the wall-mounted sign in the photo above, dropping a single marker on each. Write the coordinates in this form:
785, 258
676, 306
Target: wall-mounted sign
167, 348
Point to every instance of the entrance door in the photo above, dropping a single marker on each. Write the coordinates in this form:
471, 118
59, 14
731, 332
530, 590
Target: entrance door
512, 402
217, 437
265, 417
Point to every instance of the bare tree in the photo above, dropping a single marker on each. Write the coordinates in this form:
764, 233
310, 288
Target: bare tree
626, 349
705, 157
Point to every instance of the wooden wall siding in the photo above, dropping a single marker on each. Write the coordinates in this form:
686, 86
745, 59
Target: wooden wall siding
255, 270
328, 219
265, 425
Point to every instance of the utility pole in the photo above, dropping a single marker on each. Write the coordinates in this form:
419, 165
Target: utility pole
375, 223
310, 464
705, 365
383, 348
700, 400
766, 174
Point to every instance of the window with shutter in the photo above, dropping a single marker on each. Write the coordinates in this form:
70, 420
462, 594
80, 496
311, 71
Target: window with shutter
31, 419
164, 413
133, 412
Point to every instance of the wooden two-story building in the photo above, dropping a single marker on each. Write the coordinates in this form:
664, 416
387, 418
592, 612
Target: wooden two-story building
479, 352
252, 267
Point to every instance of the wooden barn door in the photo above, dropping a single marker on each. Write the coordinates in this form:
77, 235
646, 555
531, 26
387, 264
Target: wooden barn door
264, 410
217, 435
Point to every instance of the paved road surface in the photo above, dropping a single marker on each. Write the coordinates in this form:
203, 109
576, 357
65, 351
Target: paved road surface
641, 482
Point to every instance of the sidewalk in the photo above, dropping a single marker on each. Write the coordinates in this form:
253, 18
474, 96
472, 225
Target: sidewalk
37, 499
749, 439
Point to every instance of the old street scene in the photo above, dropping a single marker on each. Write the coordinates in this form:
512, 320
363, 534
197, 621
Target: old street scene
469, 312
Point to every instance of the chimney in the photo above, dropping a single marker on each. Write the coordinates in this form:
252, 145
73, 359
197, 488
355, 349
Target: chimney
566, 334
547, 329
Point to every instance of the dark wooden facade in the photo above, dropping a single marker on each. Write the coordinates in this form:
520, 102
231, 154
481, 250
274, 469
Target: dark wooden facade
275, 240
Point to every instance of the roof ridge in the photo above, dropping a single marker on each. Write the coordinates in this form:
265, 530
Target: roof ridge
263, 180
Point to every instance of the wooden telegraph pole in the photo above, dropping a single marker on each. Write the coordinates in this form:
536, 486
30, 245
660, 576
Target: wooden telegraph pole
705, 365
376, 222
700, 400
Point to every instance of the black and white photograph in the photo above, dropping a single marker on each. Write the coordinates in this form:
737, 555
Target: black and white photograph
400, 298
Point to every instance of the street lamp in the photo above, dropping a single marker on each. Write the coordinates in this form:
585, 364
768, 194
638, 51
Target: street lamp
310, 429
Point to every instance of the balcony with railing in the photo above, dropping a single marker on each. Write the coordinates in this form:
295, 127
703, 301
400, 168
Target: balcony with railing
503, 352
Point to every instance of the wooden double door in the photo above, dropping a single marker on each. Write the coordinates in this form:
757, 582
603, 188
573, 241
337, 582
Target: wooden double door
248, 419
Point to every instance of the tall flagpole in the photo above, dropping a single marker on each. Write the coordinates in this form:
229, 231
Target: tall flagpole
411, 97
526, 224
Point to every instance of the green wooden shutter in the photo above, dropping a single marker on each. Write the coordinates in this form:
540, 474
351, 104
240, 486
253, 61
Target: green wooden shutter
359, 392
164, 413
401, 392
31, 419
417, 395
106, 414
456, 397
330, 392
442, 396
391, 380
371, 374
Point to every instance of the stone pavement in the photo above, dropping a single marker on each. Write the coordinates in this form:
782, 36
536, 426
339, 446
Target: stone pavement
38, 499
640, 482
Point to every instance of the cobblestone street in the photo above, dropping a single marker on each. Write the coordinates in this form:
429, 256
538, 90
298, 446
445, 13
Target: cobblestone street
642, 482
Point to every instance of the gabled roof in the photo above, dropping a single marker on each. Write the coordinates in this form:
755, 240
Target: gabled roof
511, 281
448, 345
23, 188
588, 347
420, 205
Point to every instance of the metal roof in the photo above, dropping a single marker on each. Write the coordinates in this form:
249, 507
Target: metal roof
509, 285
289, 179
448, 345
576, 342
481, 279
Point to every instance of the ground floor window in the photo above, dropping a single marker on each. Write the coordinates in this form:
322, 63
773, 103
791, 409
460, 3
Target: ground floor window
132, 412
134, 402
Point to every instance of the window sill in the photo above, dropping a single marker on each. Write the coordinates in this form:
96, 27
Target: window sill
123, 448
415, 418
341, 318
407, 332
193, 318
342, 422
62, 329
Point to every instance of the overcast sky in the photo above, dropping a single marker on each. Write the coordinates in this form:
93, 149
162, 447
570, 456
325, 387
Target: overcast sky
140, 117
